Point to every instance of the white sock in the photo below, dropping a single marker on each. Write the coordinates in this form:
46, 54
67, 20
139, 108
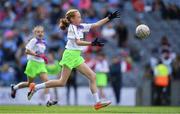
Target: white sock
40, 86
16, 87
96, 97
47, 97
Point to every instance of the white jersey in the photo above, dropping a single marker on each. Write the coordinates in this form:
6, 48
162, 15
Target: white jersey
76, 32
102, 66
38, 46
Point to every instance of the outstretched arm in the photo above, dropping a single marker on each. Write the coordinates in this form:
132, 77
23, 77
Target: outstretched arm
100, 23
110, 17
96, 42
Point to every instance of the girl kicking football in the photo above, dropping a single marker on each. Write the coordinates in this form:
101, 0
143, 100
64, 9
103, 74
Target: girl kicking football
72, 55
36, 64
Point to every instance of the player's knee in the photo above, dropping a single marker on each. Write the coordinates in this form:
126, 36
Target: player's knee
61, 83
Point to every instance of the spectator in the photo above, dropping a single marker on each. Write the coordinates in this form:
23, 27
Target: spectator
167, 58
161, 84
55, 42
108, 32
9, 18
91, 16
122, 35
101, 69
40, 15
7, 75
114, 3
158, 5
168, 10
116, 78
9, 46
90, 60
138, 6
154, 58
85, 4
126, 62
165, 45
55, 13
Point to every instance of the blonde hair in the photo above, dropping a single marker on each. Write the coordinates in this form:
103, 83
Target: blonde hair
64, 22
36, 28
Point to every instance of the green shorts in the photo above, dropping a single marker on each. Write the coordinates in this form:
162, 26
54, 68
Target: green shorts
101, 79
33, 68
71, 58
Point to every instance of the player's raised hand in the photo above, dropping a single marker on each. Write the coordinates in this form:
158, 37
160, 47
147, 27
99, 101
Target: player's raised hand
97, 42
114, 15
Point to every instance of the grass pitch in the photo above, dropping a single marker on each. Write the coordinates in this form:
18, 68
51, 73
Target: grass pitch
86, 110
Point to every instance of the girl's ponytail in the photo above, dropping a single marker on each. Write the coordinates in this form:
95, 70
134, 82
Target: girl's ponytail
63, 23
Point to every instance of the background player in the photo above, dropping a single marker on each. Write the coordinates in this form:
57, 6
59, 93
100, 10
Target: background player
35, 49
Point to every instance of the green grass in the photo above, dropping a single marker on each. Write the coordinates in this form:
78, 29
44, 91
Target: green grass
87, 110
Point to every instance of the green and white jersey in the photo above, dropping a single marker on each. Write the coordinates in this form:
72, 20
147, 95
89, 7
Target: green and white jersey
38, 46
76, 32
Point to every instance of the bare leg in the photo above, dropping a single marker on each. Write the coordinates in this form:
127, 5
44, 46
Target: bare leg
62, 81
24, 84
14, 88
101, 92
56, 83
44, 78
84, 69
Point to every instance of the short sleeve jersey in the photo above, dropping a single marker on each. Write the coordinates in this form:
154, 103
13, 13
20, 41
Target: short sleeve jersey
76, 32
38, 46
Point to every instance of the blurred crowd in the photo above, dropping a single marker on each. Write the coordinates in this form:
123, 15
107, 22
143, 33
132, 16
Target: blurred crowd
167, 9
18, 17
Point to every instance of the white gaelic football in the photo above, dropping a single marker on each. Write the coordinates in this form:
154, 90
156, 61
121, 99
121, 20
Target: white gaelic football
142, 31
